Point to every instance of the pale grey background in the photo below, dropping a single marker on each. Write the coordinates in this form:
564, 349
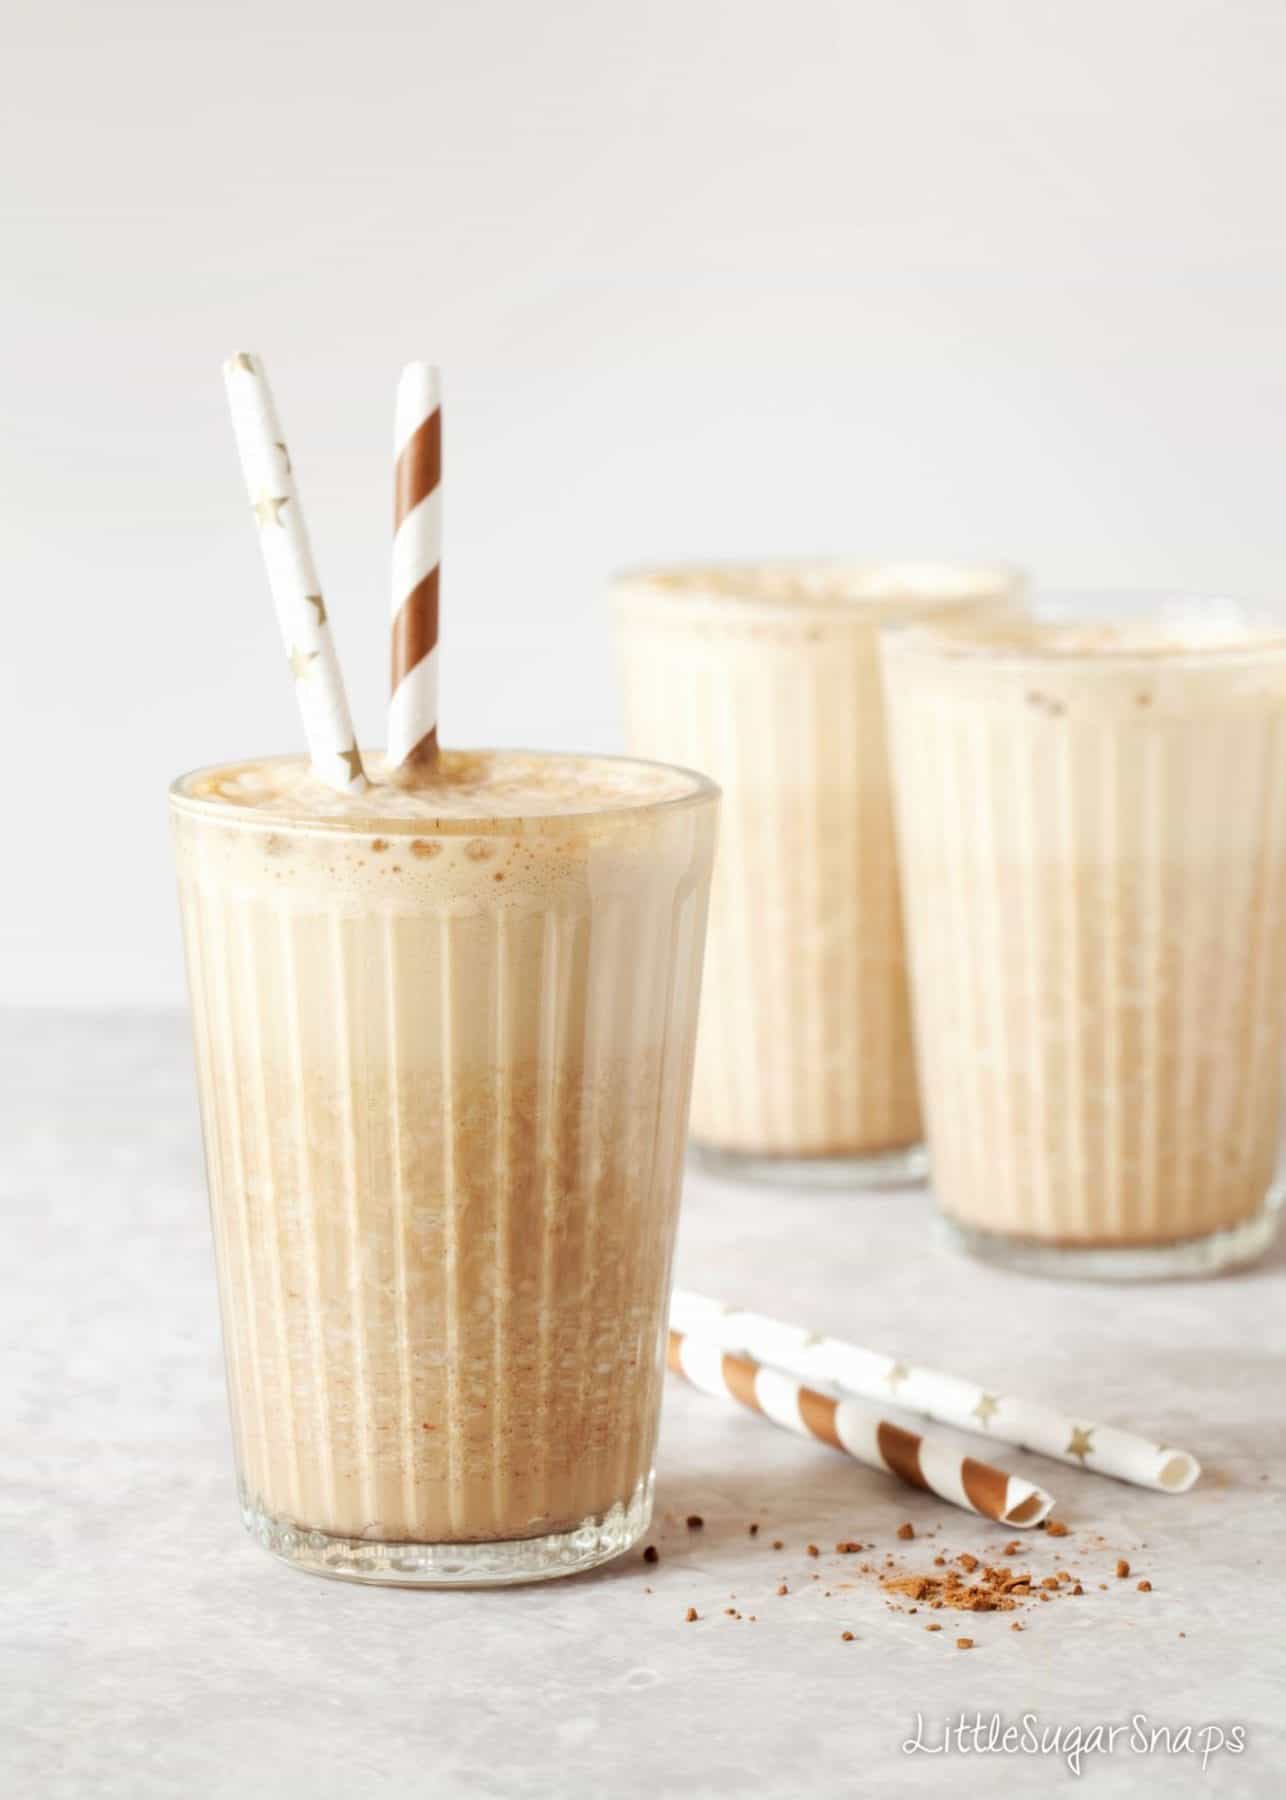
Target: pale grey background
992, 276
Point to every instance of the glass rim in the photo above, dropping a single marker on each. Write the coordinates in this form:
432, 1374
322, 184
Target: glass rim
890, 582
960, 640
701, 793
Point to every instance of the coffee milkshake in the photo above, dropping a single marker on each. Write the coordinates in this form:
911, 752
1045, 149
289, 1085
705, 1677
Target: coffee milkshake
767, 676
1092, 815
444, 1041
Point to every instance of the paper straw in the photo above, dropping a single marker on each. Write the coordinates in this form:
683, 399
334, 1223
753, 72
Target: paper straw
847, 1425
873, 1375
417, 559
292, 576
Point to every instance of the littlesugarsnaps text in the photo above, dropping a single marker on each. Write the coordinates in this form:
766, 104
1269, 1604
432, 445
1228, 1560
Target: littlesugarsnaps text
990, 1734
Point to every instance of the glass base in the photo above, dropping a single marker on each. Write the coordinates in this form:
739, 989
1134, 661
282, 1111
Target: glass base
1208, 1255
904, 1167
500, 1563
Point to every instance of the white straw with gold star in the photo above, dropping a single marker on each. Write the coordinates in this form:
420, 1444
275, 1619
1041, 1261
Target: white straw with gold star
292, 576
859, 1431
873, 1375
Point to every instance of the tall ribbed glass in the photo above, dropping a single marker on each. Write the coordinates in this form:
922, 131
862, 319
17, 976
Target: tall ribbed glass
444, 1069
767, 676
1092, 819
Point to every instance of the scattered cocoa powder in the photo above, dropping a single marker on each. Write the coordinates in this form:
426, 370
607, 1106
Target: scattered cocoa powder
777, 1544
753, 1530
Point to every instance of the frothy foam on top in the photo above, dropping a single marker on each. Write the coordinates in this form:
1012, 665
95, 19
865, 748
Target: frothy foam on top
827, 583
470, 787
1171, 629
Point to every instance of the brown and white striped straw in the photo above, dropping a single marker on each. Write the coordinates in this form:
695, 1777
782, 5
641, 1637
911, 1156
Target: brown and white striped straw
292, 576
924, 1462
417, 558
874, 1375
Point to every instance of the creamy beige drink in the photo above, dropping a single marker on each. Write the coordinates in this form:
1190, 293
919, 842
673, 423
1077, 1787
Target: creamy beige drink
767, 676
444, 1043
1092, 815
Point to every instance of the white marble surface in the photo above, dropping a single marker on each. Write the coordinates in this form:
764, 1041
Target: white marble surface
150, 1649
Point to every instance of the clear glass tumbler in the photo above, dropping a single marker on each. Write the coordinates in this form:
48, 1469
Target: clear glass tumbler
444, 1069
1091, 807
767, 675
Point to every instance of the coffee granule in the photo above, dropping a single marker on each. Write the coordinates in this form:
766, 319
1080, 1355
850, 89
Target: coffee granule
964, 1643
753, 1530
812, 1550
1145, 1587
967, 1562
1055, 1528
777, 1544
1122, 1569
847, 1548
690, 1617
783, 1589
695, 1522
906, 1529
651, 1554
846, 1636
933, 1628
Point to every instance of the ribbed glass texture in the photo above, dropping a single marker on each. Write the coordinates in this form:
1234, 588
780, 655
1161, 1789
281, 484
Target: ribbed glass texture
444, 1083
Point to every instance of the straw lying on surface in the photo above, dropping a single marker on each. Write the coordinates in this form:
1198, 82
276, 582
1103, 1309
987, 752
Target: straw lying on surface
945, 1398
861, 1432
417, 559
292, 576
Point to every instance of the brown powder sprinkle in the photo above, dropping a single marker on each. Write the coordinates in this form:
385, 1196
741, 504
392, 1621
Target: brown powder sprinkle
783, 1589
1013, 1548
753, 1530
691, 1616
651, 1554
964, 1643
1078, 1589
847, 1547
906, 1529
777, 1544
1055, 1528
1017, 1625
846, 1636
1145, 1587
939, 1562
967, 1562
695, 1522
1122, 1569
813, 1550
